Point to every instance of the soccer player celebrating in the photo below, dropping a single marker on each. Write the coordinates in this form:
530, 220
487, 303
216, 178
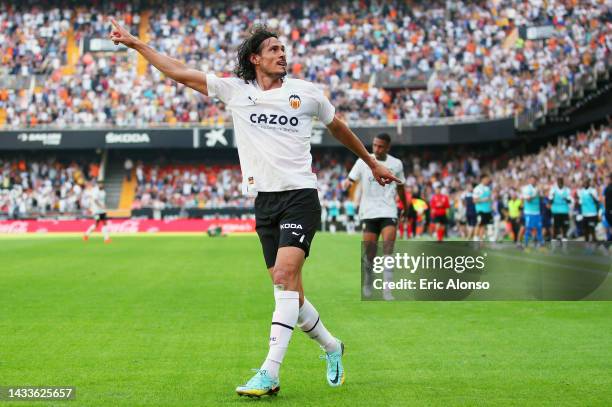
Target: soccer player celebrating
273, 117
439, 204
97, 207
377, 209
484, 207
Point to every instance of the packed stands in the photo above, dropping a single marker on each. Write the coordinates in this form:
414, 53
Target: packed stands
55, 187
470, 60
48, 187
189, 186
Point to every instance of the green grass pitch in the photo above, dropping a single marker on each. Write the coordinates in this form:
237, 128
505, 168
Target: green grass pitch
180, 321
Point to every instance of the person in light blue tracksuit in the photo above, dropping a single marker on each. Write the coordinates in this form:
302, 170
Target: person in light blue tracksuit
561, 200
589, 209
533, 218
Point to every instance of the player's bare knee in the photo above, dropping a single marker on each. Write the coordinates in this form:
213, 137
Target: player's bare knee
280, 279
283, 275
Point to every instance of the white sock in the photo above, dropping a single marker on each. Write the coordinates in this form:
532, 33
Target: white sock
284, 318
105, 232
387, 275
310, 322
91, 229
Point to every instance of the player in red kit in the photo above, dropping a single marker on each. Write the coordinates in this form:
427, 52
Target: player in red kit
402, 221
439, 204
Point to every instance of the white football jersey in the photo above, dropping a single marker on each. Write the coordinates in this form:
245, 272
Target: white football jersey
272, 130
97, 200
377, 201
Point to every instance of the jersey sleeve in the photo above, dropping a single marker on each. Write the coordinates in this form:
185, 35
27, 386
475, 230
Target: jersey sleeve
222, 88
355, 173
399, 171
325, 110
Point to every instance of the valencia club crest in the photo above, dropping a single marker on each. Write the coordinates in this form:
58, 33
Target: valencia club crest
295, 101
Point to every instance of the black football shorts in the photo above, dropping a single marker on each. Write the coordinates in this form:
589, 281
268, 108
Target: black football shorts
376, 225
286, 218
484, 218
100, 217
561, 220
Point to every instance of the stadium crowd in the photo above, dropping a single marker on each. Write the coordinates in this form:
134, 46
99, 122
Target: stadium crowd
32, 40
31, 188
469, 53
583, 161
189, 186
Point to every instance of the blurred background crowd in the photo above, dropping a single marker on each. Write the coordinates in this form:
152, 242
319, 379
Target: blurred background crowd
465, 57
53, 186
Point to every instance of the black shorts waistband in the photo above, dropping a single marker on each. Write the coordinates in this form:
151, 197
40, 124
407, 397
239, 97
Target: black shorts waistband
289, 191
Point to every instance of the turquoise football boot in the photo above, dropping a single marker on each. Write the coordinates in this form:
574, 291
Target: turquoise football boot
260, 385
335, 369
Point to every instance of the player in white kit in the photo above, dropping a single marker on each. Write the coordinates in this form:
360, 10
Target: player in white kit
273, 117
378, 209
97, 207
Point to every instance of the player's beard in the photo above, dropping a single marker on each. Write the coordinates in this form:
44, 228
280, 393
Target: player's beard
277, 75
282, 75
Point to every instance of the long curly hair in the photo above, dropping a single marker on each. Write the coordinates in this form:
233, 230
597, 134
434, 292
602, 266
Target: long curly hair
252, 45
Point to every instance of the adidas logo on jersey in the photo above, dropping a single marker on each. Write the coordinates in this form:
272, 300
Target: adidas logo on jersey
290, 226
274, 119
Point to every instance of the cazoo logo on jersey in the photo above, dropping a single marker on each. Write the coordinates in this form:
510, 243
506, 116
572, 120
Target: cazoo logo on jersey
262, 118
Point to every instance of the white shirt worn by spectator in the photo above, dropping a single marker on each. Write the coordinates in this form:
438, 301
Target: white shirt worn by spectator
273, 130
377, 201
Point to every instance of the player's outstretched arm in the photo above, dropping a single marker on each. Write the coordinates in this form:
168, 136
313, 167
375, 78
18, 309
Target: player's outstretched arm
343, 134
170, 67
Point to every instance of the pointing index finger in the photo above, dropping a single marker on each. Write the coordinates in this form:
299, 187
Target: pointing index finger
114, 22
